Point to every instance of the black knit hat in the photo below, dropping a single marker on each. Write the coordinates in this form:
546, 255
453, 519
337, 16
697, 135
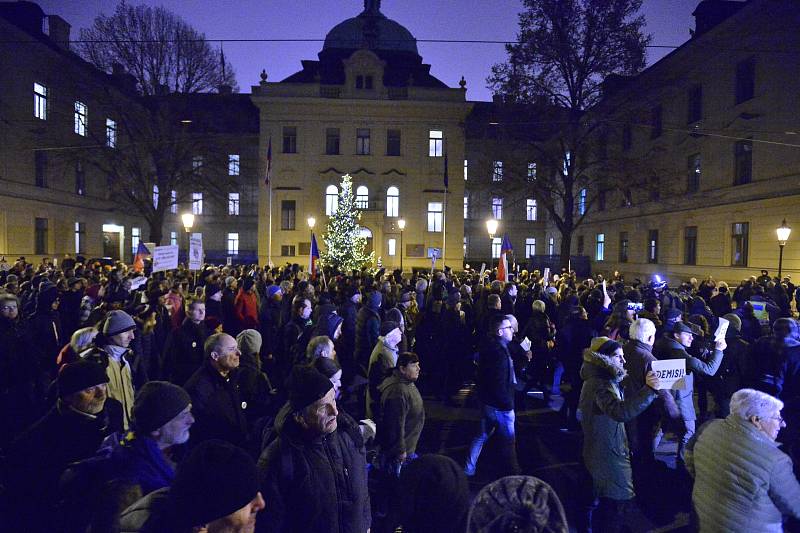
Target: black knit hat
387, 326
215, 480
517, 503
156, 403
433, 496
82, 374
306, 386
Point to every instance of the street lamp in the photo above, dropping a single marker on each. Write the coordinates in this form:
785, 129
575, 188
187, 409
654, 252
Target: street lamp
188, 222
491, 227
311, 223
402, 225
783, 235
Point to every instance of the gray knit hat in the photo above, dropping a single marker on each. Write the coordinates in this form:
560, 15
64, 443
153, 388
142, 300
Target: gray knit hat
156, 403
517, 503
117, 322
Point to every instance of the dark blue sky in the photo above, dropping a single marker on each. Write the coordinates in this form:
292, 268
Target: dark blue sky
668, 20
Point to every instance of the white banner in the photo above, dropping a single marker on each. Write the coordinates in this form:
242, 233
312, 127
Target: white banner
196, 251
165, 257
671, 373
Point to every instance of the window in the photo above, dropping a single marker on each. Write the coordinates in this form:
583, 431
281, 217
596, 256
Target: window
743, 157
332, 141
331, 200
694, 110
466, 207
530, 247
497, 208
80, 118
287, 250
435, 140
173, 237
392, 202
80, 179
435, 216
80, 237
601, 200
582, 202
600, 247
155, 196
288, 214
173, 202
197, 203
359, 82
531, 209
197, 164
497, 171
497, 243
363, 82
567, 162
362, 197
233, 244
652, 246
40, 162
233, 164
136, 237
392, 246
739, 244
656, 126
531, 171
39, 101
233, 203
551, 246
690, 245
745, 80
111, 133
580, 245
693, 167
623, 247
466, 169
392, 142
627, 137
362, 141
40, 236
289, 140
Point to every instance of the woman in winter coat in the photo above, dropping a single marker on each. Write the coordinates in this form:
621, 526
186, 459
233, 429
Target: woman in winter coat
605, 443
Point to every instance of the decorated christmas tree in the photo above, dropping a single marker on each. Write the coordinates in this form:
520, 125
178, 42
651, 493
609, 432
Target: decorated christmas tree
344, 245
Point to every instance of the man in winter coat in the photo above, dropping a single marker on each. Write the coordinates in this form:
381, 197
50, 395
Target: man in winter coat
605, 446
381, 362
743, 482
673, 345
402, 411
183, 351
348, 311
295, 335
314, 473
368, 325
246, 306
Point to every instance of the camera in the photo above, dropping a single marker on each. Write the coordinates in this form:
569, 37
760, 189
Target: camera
635, 306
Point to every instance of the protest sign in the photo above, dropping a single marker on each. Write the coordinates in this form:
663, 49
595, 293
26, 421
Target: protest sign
196, 251
138, 282
546, 275
165, 257
671, 373
722, 329
760, 310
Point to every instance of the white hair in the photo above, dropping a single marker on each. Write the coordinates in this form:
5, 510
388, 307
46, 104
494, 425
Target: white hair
538, 305
750, 402
642, 329
82, 338
421, 285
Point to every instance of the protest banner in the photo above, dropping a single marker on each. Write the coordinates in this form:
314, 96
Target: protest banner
196, 251
671, 373
165, 257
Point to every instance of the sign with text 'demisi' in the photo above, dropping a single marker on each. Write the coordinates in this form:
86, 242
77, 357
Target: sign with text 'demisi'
165, 257
671, 373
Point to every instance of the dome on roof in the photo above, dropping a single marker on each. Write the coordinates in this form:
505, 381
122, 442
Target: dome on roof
372, 29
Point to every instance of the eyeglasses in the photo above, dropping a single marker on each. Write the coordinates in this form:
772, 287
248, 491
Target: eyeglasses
506, 327
780, 420
8, 308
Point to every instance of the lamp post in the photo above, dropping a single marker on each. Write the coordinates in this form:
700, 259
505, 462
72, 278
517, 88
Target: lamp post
402, 225
491, 227
188, 222
311, 223
783, 235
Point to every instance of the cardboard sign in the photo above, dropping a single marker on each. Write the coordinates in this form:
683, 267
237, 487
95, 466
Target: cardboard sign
760, 310
138, 282
525, 344
722, 329
483, 270
196, 251
165, 257
671, 373
546, 275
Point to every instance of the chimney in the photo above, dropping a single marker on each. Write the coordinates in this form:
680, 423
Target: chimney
225, 89
59, 31
709, 13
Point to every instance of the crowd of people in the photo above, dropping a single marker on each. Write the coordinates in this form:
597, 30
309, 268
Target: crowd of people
244, 398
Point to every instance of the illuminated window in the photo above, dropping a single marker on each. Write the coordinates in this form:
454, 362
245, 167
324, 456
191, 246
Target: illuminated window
435, 140
233, 244
331, 200
497, 208
392, 246
39, 101
435, 216
497, 242
362, 197
600, 247
81, 113
197, 203
233, 164
530, 247
497, 171
233, 203
111, 133
392, 202
531, 209
173, 202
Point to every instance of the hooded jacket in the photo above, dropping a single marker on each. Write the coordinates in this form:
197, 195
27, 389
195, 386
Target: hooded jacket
381, 362
605, 443
402, 416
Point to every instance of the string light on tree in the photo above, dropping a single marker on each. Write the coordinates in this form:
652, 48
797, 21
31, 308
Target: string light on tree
344, 245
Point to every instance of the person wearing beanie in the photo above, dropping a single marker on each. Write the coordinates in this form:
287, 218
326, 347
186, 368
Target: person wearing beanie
255, 387
112, 348
381, 362
605, 444
270, 320
213, 300
317, 451
517, 503
368, 326
45, 326
71, 431
183, 351
215, 490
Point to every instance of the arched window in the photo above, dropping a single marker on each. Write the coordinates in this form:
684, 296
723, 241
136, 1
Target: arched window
362, 197
331, 200
392, 202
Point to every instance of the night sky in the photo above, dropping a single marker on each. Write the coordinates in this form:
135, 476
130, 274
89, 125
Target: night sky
668, 20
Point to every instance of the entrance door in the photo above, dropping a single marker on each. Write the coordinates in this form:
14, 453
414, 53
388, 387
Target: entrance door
111, 241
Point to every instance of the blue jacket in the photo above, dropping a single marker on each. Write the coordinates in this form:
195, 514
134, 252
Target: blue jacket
138, 460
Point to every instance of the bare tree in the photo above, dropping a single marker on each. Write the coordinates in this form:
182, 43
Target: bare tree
158, 48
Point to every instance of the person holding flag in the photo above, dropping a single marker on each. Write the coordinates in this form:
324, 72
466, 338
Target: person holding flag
141, 253
502, 264
313, 257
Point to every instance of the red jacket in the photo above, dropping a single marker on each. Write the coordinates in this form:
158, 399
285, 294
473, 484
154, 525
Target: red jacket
246, 307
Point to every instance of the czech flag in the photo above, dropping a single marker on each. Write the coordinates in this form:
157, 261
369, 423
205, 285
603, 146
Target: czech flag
502, 265
141, 253
313, 257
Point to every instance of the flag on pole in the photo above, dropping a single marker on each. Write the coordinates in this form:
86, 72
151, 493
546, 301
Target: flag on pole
141, 253
269, 162
446, 180
313, 257
502, 265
